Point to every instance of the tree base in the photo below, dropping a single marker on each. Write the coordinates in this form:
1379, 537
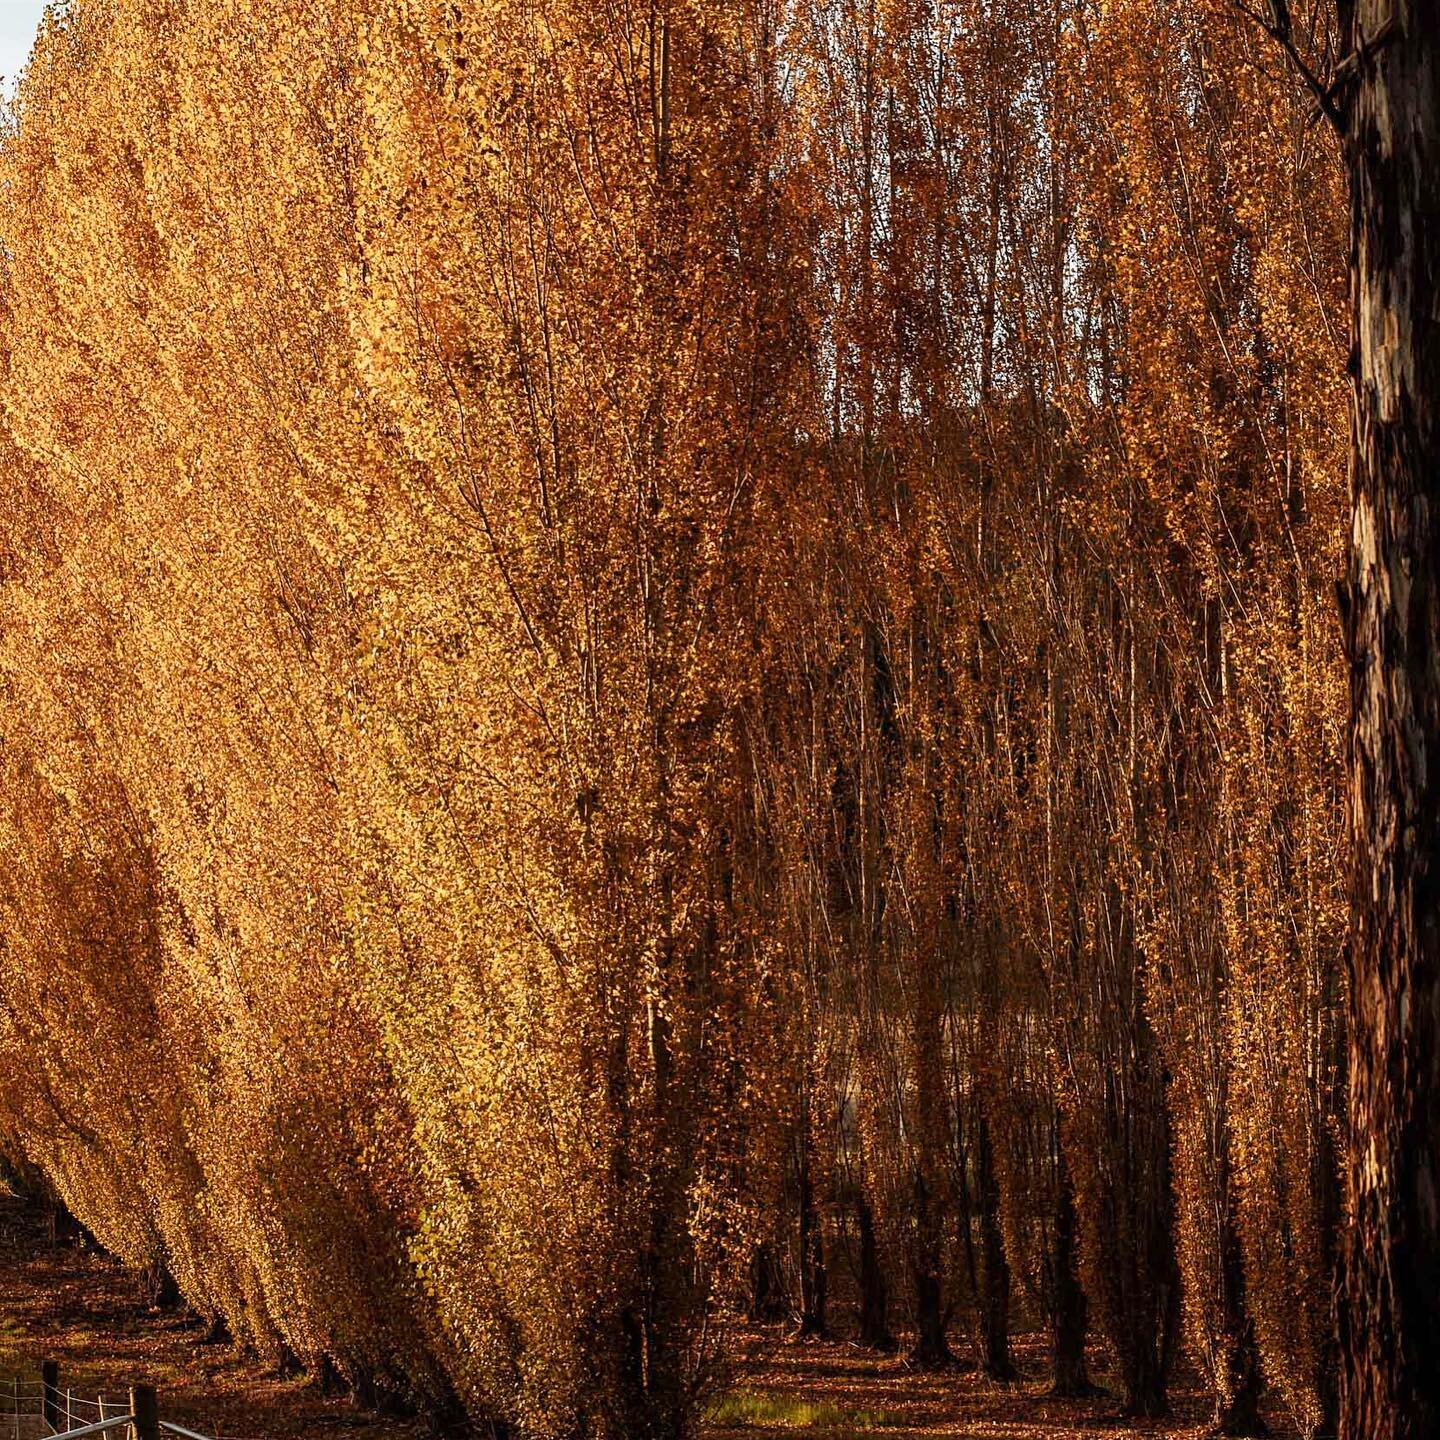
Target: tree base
217, 1332
1246, 1422
806, 1333
1085, 1389
931, 1360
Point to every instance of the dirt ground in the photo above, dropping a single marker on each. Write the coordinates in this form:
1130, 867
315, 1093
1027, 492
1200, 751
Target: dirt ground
80, 1309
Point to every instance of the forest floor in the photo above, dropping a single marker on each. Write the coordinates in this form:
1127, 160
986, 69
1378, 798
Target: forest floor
79, 1308
833, 1389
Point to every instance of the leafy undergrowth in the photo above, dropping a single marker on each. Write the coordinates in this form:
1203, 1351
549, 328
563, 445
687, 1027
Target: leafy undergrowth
80, 1309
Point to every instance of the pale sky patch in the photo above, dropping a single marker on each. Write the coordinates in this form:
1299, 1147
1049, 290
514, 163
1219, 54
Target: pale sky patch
18, 20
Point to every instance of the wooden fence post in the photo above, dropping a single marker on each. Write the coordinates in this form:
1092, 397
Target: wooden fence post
146, 1412
50, 1394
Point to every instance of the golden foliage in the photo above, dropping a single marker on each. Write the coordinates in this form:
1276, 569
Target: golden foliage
590, 591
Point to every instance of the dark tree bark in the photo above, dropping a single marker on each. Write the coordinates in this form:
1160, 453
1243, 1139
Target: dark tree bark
1389, 1312
217, 1332
813, 1282
767, 1285
1148, 1330
287, 1363
1126, 1200
1069, 1310
874, 1293
994, 1269
932, 1349
159, 1286
1237, 1405
446, 1419
64, 1228
1327, 1378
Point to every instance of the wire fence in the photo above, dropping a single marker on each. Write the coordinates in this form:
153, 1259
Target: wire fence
42, 1409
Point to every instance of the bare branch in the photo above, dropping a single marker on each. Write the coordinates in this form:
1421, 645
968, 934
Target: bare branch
1280, 33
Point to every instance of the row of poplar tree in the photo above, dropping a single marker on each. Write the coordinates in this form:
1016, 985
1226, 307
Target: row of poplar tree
645, 645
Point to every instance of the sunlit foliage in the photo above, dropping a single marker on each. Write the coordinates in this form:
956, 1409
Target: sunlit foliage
637, 644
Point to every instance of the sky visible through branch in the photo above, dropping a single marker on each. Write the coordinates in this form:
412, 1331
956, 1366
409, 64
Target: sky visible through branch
18, 20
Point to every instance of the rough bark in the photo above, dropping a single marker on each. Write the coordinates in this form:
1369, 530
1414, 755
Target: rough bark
932, 1349
813, 1281
1126, 1203
1069, 1310
64, 1228
994, 1269
1237, 1401
767, 1285
159, 1286
874, 1293
1149, 1330
1389, 1318
1327, 1378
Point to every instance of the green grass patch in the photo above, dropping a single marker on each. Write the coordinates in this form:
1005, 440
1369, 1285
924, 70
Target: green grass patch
793, 1412
15, 1358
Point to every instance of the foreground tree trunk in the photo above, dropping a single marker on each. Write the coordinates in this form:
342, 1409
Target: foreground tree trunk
932, 1348
767, 1285
813, 1284
874, 1293
1237, 1405
1389, 1316
995, 1270
1069, 1310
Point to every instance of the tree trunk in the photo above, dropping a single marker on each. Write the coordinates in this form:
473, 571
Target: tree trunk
932, 1350
1149, 1328
994, 1269
767, 1285
1069, 1310
160, 1288
813, 1285
1389, 1318
874, 1294
1237, 1401
1327, 1378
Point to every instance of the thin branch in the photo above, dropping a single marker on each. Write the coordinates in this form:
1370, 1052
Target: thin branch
1324, 98
1347, 72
